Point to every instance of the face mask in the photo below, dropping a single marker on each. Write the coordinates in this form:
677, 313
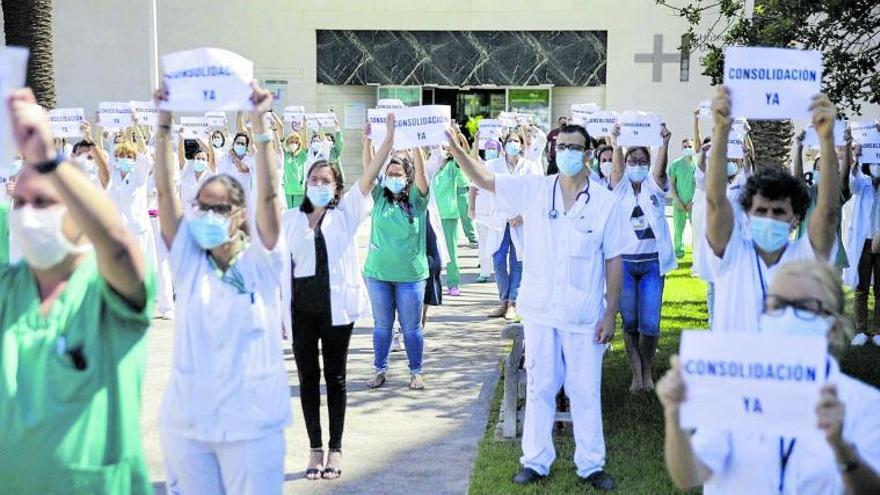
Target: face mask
209, 229
788, 323
292, 148
731, 169
16, 167
816, 176
606, 168
124, 164
874, 168
239, 149
86, 165
687, 152
217, 142
320, 196
637, 173
395, 184
491, 154
39, 234
199, 165
770, 235
570, 162
316, 147
512, 149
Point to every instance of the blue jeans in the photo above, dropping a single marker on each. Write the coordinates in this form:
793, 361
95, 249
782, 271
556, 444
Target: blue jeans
406, 298
508, 277
641, 297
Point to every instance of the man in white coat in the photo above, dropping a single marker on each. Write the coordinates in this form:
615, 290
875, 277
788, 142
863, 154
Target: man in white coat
574, 236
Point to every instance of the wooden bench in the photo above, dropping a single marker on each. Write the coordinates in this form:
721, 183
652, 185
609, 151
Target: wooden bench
512, 411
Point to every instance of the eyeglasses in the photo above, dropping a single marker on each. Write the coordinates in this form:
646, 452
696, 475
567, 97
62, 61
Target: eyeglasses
220, 209
638, 163
807, 309
321, 182
572, 147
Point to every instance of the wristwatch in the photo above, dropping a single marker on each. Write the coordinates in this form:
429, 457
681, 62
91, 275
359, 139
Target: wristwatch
49, 166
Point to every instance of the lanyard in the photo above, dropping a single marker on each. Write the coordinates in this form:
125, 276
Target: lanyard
784, 456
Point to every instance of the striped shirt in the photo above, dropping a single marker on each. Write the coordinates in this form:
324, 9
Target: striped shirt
646, 247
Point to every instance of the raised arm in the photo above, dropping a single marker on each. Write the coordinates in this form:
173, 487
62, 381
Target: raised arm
797, 154
421, 176
371, 171
181, 149
823, 222
268, 208
618, 166
845, 166
170, 209
120, 261
719, 213
481, 176
662, 157
697, 138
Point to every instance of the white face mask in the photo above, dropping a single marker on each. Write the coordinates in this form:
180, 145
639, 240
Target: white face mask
39, 234
788, 323
606, 168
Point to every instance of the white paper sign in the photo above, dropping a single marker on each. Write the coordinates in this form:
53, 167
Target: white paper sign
147, 112
639, 129
513, 119
600, 123
752, 382
772, 83
207, 79
194, 127
736, 139
295, 116
355, 115
13, 67
216, 119
390, 103
66, 122
376, 118
317, 121
416, 127
581, 112
812, 139
866, 135
115, 115
705, 109
489, 129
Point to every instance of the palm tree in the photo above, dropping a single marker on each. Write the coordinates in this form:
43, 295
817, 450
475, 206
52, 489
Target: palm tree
28, 23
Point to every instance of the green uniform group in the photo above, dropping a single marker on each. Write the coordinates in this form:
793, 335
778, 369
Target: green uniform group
682, 171
447, 185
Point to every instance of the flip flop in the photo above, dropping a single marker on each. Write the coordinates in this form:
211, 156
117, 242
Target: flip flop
377, 381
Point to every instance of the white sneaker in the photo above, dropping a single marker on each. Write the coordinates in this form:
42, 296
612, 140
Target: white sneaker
876, 340
859, 340
395, 343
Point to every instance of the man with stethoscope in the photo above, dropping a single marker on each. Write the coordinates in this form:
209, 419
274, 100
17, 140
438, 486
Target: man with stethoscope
572, 246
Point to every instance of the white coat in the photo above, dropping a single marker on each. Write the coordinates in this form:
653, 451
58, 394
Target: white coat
863, 200
130, 195
348, 295
502, 214
652, 200
190, 184
432, 166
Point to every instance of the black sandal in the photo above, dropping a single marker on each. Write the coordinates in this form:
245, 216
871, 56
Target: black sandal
314, 474
337, 472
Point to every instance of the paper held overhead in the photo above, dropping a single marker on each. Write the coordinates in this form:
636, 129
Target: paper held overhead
207, 79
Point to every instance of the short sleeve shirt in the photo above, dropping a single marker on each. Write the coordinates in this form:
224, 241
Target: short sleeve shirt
70, 386
397, 239
682, 169
445, 186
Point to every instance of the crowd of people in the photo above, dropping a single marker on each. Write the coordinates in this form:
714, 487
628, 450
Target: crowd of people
249, 238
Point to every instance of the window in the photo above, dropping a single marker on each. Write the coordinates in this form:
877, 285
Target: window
684, 71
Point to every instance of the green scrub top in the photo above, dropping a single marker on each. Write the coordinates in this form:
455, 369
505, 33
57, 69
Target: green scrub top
682, 170
397, 239
70, 386
445, 185
294, 172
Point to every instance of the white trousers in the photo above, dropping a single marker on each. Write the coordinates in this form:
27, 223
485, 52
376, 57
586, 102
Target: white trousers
554, 358
164, 287
249, 467
484, 251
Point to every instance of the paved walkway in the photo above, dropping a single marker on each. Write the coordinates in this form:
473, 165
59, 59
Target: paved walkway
397, 441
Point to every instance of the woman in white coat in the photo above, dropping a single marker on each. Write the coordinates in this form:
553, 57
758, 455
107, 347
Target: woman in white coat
323, 294
227, 403
481, 205
642, 195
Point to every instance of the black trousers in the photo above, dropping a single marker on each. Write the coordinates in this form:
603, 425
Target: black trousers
308, 329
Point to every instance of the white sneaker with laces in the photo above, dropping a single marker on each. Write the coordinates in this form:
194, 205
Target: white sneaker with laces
860, 339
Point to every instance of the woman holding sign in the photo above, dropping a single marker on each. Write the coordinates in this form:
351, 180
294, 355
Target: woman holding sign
397, 266
805, 298
223, 417
642, 194
239, 164
325, 294
294, 168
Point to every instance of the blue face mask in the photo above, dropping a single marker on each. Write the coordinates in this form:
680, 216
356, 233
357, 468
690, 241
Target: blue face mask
491, 154
731, 169
209, 230
239, 149
512, 148
770, 235
637, 173
570, 162
124, 164
395, 184
687, 152
199, 165
320, 196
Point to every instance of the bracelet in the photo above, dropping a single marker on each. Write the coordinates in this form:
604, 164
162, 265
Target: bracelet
263, 137
49, 165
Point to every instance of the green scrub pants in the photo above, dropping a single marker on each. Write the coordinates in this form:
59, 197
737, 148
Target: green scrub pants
450, 232
679, 217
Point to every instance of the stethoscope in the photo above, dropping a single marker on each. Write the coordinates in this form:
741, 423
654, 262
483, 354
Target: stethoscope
554, 213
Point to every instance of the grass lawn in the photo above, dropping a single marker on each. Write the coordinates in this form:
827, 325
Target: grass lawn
633, 424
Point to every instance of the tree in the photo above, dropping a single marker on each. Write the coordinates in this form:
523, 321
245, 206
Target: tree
28, 23
846, 31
